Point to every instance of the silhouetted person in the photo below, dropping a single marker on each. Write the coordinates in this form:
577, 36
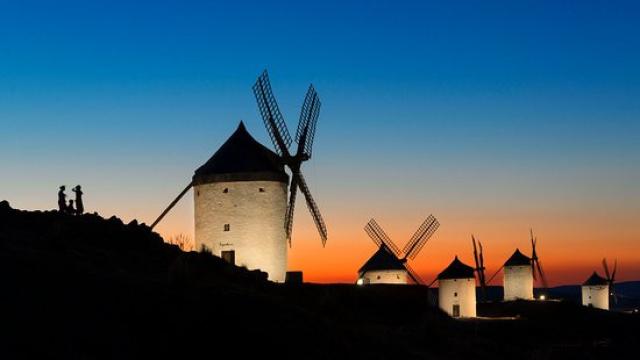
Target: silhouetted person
62, 200
70, 208
79, 203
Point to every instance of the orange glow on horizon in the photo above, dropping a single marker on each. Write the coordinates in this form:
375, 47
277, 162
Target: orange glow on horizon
569, 250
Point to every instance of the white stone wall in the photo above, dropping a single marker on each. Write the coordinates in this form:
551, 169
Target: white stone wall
518, 283
256, 223
596, 296
386, 277
460, 292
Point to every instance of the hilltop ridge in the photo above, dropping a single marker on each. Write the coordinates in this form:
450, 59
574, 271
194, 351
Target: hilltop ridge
94, 288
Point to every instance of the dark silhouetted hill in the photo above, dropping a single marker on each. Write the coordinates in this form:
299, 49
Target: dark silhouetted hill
85, 287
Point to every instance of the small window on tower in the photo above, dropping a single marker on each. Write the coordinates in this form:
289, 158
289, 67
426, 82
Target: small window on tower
226, 190
227, 227
378, 277
261, 189
455, 294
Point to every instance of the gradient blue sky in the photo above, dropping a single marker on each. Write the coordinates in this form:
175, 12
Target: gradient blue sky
495, 116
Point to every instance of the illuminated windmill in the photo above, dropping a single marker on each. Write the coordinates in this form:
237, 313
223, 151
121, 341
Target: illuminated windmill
279, 134
598, 291
518, 277
457, 290
520, 271
387, 266
478, 257
240, 194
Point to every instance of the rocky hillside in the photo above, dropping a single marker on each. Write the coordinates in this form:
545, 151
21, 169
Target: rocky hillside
85, 287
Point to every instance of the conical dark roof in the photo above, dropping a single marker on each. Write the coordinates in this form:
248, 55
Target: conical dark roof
457, 270
518, 259
383, 259
595, 279
241, 158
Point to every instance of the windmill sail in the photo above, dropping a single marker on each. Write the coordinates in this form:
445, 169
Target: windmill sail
307, 123
417, 241
413, 274
379, 237
536, 266
420, 237
279, 134
479, 260
271, 115
313, 209
290, 208
611, 278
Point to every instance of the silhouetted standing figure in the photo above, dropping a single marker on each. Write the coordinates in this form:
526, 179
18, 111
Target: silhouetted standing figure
70, 208
79, 203
62, 200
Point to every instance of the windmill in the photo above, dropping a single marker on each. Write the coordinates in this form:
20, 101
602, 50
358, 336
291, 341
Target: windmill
611, 278
478, 257
241, 209
389, 258
536, 267
457, 289
281, 139
520, 272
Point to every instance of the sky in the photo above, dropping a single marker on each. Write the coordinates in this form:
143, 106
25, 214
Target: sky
495, 116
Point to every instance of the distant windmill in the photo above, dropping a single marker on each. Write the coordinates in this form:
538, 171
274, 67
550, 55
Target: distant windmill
611, 278
520, 272
387, 266
598, 291
279, 134
536, 267
479, 269
457, 290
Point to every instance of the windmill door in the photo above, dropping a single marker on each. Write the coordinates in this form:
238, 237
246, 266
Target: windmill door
456, 311
229, 256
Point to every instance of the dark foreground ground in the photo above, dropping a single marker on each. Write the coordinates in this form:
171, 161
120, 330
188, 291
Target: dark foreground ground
92, 288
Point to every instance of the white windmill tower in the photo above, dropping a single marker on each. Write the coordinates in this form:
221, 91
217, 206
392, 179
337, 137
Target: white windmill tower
520, 271
596, 291
518, 277
240, 193
386, 266
457, 289
240, 200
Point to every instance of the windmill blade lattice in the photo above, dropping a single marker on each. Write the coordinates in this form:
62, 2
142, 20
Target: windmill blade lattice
479, 260
484, 282
611, 278
420, 237
313, 209
271, 115
413, 274
543, 278
288, 220
606, 268
613, 281
279, 134
307, 123
379, 237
